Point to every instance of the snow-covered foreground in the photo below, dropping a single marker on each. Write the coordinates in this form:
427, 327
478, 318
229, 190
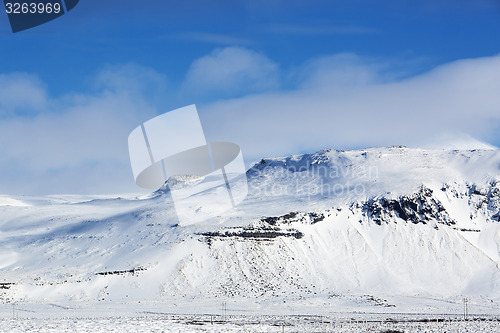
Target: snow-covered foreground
235, 316
214, 323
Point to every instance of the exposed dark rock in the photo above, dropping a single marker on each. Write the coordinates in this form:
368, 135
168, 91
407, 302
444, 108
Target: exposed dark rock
254, 233
273, 220
6, 285
469, 230
420, 207
310, 218
128, 271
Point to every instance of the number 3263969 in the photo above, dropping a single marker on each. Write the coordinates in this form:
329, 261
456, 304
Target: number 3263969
32, 8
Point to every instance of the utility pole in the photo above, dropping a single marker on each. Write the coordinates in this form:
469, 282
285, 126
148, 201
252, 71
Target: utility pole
224, 310
466, 310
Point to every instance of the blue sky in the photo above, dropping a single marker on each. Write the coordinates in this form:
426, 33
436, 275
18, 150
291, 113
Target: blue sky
277, 77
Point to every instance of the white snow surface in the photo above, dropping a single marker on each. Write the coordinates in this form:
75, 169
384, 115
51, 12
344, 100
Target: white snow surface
318, 234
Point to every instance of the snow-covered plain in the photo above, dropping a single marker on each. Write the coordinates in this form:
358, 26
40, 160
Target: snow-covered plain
369, 234
177, 323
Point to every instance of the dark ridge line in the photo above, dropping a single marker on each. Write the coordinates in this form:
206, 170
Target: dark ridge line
131, 271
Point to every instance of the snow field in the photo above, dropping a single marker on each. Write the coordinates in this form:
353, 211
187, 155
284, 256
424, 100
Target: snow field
206, 323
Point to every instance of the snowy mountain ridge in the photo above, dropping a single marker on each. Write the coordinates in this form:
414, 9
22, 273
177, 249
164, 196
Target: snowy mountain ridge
329, 227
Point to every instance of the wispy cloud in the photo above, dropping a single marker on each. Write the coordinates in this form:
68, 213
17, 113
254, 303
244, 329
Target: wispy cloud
21, 93
341, 71
294, 29
212, 38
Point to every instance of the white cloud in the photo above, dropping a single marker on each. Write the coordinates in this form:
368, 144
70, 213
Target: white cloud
231, 71
81, 146
21, 92
78, 143
458, 97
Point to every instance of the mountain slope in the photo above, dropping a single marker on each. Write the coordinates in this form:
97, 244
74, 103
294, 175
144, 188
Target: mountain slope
329, 225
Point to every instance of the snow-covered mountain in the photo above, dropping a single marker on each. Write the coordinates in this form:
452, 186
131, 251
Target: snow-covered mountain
357, 228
